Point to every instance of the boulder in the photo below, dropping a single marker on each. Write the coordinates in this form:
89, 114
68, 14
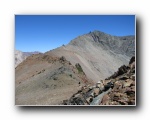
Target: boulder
133, 77
96, 91
127, 83
132, 66
89, 100
100, 86
123, 102
132, 60
105, 100
124, 77
77, 101
63, 59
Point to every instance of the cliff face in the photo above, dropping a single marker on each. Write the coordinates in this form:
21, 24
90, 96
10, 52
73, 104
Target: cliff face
118, 89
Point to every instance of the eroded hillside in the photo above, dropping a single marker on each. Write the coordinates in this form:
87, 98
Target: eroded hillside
118, 89
46, 80
99, 54
70, 71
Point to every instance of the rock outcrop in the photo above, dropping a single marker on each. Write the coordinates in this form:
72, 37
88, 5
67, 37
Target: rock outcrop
118, 89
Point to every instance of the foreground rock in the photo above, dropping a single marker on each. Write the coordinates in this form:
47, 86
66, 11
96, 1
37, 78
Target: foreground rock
118, 89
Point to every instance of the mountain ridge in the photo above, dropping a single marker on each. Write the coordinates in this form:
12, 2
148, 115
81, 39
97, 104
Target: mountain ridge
89, 52
51, 77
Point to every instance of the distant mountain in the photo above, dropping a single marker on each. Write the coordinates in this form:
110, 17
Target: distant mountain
98, 53
20, 56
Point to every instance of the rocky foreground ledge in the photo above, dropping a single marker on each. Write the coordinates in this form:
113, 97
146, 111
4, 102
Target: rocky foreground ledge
118, 89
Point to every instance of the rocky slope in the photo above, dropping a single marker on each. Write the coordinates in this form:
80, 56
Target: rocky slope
21, 56
118, 89
50, 78
45, 80
98, 53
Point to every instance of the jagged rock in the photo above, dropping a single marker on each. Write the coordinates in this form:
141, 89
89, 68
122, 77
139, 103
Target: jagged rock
133, 77
117, 85
133, 83
131, 102
127, 83
105, 100
114, 103
122, 102
123, 77
132, 66
100, 86
96, 91
132, 60
108, 85
77, 95
89, 100
119, 89
77, 101
123, 69
117, 94
130, 91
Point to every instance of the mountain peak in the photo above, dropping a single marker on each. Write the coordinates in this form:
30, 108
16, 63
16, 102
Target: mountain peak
119, 45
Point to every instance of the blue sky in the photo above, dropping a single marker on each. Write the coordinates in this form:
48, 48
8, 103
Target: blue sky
45, 32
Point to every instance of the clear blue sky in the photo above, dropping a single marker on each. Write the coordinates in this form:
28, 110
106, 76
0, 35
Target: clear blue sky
45, 32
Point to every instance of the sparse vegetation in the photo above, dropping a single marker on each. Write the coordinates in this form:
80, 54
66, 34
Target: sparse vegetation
39, 72
55, 78
78, 66
70, 75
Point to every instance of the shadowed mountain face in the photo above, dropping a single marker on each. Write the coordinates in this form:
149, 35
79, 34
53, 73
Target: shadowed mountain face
99, 54
21, 56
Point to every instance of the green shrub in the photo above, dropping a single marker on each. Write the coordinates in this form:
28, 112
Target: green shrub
79, 68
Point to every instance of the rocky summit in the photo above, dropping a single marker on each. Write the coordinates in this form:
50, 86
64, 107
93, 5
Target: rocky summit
118, 89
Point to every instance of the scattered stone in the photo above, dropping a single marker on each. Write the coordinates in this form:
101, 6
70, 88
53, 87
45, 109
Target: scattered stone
89, 99
133, 77
118, 89
96, 91
132, 60
123, 77
127, 83
55, 78
62, 59
105, 100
